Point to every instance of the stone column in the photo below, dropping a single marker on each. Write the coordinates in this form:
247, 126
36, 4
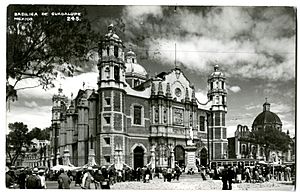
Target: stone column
118, 162
51, 160
172, 157
57, 157
91, 160
152, 152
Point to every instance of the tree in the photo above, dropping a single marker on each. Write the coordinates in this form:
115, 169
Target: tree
39, 48
272, 139
39, 134
16, 141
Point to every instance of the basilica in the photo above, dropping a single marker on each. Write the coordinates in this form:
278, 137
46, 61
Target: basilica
136, 120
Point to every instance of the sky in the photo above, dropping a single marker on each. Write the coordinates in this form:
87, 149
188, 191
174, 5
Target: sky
254, 47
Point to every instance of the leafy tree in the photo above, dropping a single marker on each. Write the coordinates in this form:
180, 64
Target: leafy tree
16, 141
38, 49
39, 134
272, 139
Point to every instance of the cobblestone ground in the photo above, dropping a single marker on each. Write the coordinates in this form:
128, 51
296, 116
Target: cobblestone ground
194, 182
187, 182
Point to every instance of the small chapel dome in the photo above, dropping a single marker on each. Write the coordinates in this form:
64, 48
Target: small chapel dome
135, 69
130, 53
266, 118
132, 67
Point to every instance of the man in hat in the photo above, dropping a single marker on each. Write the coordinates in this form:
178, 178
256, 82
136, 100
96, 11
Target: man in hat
63, 180
22, 178
87, 179
33, 181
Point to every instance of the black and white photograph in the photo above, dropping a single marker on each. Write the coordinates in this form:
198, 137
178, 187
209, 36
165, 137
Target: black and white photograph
150, 97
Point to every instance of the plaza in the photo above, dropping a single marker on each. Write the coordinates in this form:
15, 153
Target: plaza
191, 182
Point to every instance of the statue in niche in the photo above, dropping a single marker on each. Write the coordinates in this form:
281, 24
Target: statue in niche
156, 115
165, 115
153, 89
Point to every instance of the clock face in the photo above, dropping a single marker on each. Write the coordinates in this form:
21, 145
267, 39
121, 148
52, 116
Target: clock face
178, 92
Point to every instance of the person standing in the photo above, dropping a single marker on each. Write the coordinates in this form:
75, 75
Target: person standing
169, 174
78, 178
225, 178
8, 178
288, 173
177, 171
87, 179
33, 181
22, 179
231, 175
42, 178
63, 180
247, 175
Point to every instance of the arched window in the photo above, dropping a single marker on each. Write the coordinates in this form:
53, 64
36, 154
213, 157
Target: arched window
217, 100
107, 51
100, 52
132, 60
243, 149
116, 51
202, 123
117, 73
261, 152
137, 115
107, 71
136, 82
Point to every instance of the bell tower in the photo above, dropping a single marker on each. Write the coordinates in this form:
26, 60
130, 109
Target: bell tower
217, 129
111, 64
111, 131
59, 108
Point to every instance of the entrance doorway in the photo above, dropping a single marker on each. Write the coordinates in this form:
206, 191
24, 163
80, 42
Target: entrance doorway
203, 157
179, 155
138, 157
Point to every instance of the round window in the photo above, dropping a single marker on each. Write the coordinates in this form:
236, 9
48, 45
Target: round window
178, 92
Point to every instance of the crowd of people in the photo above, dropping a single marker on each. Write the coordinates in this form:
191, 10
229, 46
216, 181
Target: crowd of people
26, 179
103, 177
249, 174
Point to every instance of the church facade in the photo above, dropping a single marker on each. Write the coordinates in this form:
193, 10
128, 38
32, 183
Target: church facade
136, 120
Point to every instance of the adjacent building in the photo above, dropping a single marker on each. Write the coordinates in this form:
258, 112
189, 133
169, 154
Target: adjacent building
241, 147
139, 120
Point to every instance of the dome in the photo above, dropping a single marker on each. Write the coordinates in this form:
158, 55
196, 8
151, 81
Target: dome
216, 72
130, 53
135, 69
267, 117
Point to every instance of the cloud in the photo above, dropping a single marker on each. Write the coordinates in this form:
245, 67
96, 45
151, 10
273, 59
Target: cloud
235, 89
280, 108
138, 12
255, 42
39, 101
201, 96
252, 106
31, 104
231, 130
68, 84
35, 117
